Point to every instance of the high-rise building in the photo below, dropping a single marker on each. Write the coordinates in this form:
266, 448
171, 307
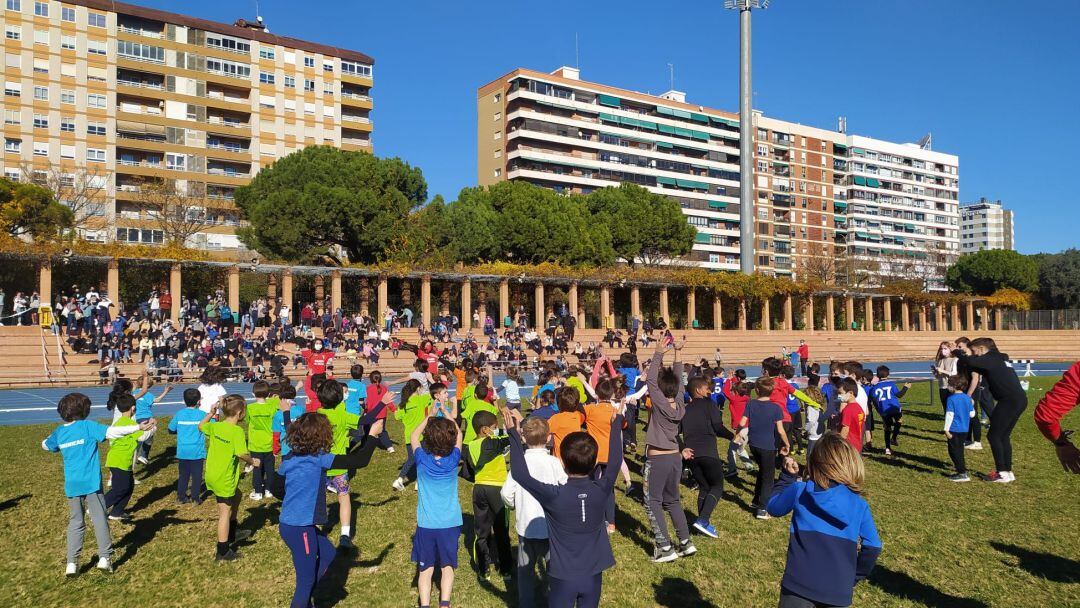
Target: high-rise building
557, 131
827, 204
985, 224
112, 98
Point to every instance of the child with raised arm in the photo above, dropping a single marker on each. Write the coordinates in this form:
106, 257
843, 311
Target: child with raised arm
260, 422
438, 511
144, 410
412, 411
886, 399
575, 512
610, 395
331, 404
190, 449
833, 543
228, 446
119, 461
77, 442
485, 466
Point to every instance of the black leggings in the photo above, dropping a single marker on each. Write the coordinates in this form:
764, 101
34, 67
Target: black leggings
581, 592
708, 472
794, 431
891, 422
956, 451
1002, 421
766, 475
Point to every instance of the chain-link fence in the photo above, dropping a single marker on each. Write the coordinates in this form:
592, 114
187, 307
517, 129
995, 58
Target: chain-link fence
1040, 319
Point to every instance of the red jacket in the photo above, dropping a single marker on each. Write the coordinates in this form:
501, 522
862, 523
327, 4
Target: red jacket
804, 351
317, 361
1057, 402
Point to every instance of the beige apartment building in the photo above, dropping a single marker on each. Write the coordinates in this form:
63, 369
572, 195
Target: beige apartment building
109, 98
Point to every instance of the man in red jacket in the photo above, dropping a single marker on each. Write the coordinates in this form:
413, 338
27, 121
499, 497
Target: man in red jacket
1057, 402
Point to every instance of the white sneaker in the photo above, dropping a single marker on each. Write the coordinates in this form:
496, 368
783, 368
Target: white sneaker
104, 564
143, 460
248, 469
72, 569
255, 496
135, 481
390, 450
974, 445
399, 484
1011, 476
1004, 477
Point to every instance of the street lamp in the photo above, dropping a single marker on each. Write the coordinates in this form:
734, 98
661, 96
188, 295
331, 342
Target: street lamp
746, 133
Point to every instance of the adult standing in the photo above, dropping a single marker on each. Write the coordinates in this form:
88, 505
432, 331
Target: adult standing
1011, 400
1062, 397
980, 397
803, 353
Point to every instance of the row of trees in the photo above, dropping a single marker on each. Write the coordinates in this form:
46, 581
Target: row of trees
1047, 280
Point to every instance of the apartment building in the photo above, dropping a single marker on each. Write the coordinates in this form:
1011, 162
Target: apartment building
817, 193
120, 97
559, 132
985, 224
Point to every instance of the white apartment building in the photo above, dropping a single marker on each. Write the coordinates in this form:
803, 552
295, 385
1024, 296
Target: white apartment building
985, 224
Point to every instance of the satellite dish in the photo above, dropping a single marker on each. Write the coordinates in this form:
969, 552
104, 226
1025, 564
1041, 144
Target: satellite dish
927, 142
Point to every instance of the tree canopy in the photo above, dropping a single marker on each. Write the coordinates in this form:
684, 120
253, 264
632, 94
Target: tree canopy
322, 197
984, 272
1059, 279
30, 211
645, 227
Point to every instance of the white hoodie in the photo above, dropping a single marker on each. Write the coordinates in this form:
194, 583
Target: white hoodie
545, 468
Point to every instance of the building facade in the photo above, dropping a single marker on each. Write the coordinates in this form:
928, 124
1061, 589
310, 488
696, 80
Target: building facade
985, 224
821, 197
108, 100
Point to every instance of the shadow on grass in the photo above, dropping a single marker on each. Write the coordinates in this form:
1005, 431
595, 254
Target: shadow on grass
899, 463
633, 529
154, 495
143, 531
1051, 567
677, 593
331, 587
13, 502
925, 415
256, 519
902, 586
158, 463
382, 502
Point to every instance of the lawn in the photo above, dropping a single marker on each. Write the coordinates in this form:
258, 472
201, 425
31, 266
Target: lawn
945, 544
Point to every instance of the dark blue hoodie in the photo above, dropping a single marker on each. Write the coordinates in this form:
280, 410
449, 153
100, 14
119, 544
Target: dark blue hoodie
825, 559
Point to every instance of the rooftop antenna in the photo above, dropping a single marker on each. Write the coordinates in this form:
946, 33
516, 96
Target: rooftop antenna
927, 142
671, 76
841, 124
577, 52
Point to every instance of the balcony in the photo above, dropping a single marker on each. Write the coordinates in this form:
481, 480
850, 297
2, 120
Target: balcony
142, 84
137, 31
228, 172
228, 122
228, 146
355, 96
354, 118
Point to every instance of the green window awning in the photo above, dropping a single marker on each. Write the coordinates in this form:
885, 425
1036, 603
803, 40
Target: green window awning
689, 183
724, 121
909, 226
645, 124
684, 132
609, 100
840, 220
630, 122
694, 116
862, 235
665, 111
873, 183
667, 181
703, 238
608, 117
700, 135
717, 205
858, 151
860, 181
840, 204
665, 145
681, 114
667, 129
839, 147
689, 147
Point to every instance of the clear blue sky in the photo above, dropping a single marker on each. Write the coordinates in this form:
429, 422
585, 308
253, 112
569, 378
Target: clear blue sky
974, 73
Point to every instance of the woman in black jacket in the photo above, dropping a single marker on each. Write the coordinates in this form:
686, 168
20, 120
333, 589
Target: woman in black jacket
1011, 399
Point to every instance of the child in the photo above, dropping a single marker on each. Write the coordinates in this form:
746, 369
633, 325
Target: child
701, 425
375, 392
356, 390
286, 396
609, 395
580, 547
833, 541
260, 419
300, 482
77, 441
794, 410
228, 446
190, 449
570, 416
764, 422
959, 411
852, 415
663, 462
332, 406
471, 406
815, 418
486, 468
531, 527
512, 388
413, 410
886, 397
545, 406
442, 406
737, 391
119, 461
438, 511
144, 410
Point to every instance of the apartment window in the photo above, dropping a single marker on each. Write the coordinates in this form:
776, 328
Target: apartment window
41, 9
309, 108
41, 65
13, 61
67, 124
67, 151
41, 37
142, 52
67, 96
176, 162
356, 69
266, 53
496, 98
135, 235
41, 148
41, 93
95, 128
328, 66
328, 88
11, 144
14, 5
95, 154
229, 44
13, 32
67, 43
95, 20
498, 172
266, 78
267, 101
95, 101
228, 68
309, 62
67, 69
290, 105
714, 258
309, 85
498, 135
97, 47
12, 117
67, 14
498, 152
290, 82
41, 121
498, 116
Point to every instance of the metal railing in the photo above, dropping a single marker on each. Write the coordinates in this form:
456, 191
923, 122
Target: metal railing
1040, 319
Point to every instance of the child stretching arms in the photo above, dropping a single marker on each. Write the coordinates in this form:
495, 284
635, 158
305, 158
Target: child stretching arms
260, 419
332, 406
580, 547
831, 526
701, 425
228, 446
77, 441
119, 461
609, 394
438, 511
190, 449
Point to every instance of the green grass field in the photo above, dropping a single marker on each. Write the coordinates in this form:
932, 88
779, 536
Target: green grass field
945, 544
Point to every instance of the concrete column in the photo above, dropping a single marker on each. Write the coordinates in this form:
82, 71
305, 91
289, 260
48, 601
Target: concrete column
504, 300
955, 318
984, 318
691, 307
425, 299
664, 306
320, 291
481, 304
540, 307
969, 323
635, 302
175, 288
572, 304
869, 324
808, 314
717, 313
335, 291
112, 282
939, 317
45, 282
766, 315
999, 321
286, 293
849, 312
365, 296
232, 290
605, 307
789, 317
830, 313
888, 314
466, 305
382, 298
924, 319
271, 289
742, 314
905, 316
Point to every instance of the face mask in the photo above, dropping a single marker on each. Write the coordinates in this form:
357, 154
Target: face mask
318, 346
944, 351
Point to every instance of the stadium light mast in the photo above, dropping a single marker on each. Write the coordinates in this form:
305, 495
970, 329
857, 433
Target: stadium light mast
746, 134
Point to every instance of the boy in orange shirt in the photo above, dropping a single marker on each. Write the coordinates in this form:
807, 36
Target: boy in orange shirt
570, 418
609, 394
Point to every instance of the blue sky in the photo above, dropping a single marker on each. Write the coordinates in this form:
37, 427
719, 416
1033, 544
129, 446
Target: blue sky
995, 81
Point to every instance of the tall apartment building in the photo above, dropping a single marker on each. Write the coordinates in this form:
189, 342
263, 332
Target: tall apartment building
985, 224
118, 96
560, 132
819, 194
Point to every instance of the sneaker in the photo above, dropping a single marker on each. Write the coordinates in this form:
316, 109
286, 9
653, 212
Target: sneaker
706, 528
663, 555
974, 445
255, 496
610, 529
686, 548
888, 452
248, 469
399, 484
143, 460
72, 569
135, 481
1002, 477
125, 518
959, 477
345, 543
762, 514
390, 450
1008, 475
228, 556
104, 564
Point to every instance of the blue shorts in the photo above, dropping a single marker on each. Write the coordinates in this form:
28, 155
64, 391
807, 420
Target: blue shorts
436, 547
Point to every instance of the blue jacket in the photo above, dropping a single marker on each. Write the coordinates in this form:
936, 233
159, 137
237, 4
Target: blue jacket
826, 528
